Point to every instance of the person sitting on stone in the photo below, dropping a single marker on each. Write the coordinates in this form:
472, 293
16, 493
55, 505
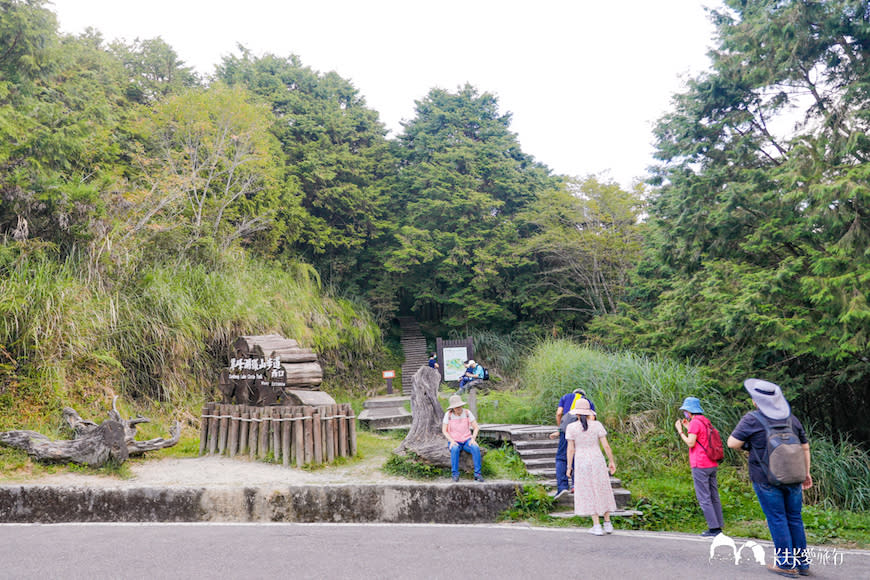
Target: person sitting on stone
473, 372
460, 428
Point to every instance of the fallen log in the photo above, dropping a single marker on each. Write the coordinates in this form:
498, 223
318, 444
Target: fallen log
92, 444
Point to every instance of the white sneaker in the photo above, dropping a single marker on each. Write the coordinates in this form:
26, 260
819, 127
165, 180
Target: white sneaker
596, 530
608, 528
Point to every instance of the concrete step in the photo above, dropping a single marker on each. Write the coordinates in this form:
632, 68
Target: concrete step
548, 463
621, 496
540, 453
616, 514
393, 402
549, 444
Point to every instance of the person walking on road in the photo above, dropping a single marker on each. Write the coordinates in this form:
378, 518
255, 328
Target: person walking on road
693, 429
778, 483
593, 494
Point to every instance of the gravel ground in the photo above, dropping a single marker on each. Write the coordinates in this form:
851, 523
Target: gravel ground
213, 471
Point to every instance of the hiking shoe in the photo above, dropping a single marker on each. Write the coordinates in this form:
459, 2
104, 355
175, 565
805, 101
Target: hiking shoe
596, 530
479, 477
608, 528
560, 494
710, 533
455, 478
804, 571
782, 571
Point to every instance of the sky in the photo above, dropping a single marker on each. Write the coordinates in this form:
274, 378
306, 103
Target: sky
584, 80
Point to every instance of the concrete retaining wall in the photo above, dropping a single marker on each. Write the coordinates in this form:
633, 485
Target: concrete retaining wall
397, 503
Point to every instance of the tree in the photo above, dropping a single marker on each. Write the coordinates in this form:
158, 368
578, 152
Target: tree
61, 108
336, 156
588, 238
210, 171
759, 258
456, 208
153, 68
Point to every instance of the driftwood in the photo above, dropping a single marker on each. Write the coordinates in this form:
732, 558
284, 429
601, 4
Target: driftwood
425, 439
92, 444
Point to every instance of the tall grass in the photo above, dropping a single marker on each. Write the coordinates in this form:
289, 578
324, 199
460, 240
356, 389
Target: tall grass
157, 332
620, 384
641, 396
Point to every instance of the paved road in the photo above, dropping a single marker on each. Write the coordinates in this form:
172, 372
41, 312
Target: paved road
192, 551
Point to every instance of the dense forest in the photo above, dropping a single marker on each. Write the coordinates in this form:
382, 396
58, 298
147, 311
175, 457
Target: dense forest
149, 213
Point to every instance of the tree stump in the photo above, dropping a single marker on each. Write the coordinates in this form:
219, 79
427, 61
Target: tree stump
425, 439
92, 444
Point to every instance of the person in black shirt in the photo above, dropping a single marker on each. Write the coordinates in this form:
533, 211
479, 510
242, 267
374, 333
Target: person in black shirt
781, 504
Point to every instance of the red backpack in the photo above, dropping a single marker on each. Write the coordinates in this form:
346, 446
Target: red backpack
714, 449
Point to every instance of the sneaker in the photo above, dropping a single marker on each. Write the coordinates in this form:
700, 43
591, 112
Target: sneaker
479, 477
608, 528
596, 530
455, 478
804, 571
560, 494
710, 533
782, 571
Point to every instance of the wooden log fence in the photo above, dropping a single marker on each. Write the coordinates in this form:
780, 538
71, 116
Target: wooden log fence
287, 435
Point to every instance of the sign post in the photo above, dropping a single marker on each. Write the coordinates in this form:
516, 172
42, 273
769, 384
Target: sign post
389, 375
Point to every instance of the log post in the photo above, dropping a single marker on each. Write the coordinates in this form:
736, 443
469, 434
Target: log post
330, 433
223, 428
299, 436
263, 443
285, 436
309, 435
342, 434
233, 441
253, 432
316, 437
277, 424
244, 426
213, 429
203, 428
351, 430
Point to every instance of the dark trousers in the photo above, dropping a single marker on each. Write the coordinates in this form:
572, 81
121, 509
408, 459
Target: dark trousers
562, 479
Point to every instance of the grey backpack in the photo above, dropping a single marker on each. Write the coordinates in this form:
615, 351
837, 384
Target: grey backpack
784, 462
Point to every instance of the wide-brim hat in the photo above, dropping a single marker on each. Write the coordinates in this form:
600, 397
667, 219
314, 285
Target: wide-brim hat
582, 408
579, 391
692, 405
768, 397
455, 401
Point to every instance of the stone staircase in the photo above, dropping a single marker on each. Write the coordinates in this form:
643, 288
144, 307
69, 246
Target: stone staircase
414, 348
538, 453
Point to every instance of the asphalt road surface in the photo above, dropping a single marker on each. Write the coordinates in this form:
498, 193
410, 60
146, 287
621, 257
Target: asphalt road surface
375, 551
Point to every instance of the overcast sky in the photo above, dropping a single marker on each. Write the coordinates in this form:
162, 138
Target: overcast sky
584, 80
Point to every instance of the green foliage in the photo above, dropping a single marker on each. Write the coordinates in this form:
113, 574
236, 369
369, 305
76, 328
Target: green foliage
757, 255
337, 161
620, 384
532, 502
455, 211
589, 237
411, 467
505, 463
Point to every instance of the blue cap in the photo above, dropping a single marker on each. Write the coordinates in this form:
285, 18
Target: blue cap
692, 405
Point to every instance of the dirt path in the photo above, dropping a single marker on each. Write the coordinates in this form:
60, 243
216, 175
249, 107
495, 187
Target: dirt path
212, 471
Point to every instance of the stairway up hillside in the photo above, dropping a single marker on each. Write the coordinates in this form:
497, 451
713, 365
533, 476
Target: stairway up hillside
414, 347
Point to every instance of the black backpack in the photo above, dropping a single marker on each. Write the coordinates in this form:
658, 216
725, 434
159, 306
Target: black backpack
485, 374
784, 461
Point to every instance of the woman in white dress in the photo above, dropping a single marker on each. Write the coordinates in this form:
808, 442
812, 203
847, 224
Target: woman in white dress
593, 494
